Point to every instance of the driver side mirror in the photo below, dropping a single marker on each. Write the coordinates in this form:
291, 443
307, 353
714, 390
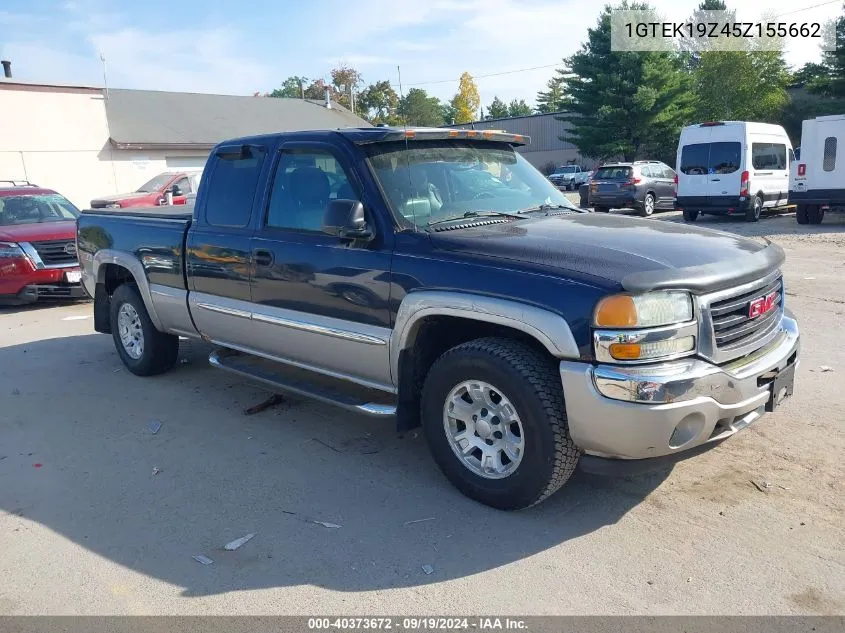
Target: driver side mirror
345, 219
176, 190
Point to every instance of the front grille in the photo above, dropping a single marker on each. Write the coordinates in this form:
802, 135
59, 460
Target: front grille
733, 327
55, 252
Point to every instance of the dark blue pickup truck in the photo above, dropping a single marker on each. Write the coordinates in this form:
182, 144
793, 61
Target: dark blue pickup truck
434, 275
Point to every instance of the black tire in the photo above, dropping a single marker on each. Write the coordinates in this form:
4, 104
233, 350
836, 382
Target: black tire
801, 214
690, 215
159, 352
752, 214
648, 205
815, 214
533, 387
601, 209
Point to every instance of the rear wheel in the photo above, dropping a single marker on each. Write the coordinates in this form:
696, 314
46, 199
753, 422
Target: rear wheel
752, 214
690, 215
801, 214
648, 205
494, 418
815, 214
601, 209
143, 349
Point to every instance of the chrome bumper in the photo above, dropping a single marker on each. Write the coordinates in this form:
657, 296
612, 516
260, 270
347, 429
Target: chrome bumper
648, 411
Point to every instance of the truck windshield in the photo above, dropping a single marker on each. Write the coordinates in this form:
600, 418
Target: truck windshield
35, 209
155, 184
569, 169
428, 181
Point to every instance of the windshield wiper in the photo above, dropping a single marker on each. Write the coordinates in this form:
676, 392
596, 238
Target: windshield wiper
548, 207
475, 214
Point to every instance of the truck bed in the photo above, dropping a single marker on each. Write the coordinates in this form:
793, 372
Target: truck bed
155, 236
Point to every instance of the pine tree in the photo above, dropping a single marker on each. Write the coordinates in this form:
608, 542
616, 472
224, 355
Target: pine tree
552, 99
497, 109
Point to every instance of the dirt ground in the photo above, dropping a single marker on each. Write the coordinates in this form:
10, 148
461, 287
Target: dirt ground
87, 527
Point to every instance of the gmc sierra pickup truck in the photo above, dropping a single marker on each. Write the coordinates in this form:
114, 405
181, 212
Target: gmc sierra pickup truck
434, 275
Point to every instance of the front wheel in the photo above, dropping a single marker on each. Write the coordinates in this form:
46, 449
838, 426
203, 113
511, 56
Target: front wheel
494, 418
143, 349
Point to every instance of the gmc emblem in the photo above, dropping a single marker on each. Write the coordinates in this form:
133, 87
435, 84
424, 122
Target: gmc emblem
759, 307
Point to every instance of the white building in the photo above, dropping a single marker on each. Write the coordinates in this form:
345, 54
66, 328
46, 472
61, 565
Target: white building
86, 142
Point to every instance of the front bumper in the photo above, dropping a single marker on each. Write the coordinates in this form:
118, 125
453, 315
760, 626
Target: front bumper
640, 412
21, 282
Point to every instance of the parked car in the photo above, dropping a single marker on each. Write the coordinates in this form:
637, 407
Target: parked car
37, 245
817, 176
153, 192
584, 191
732, 168
568, 177
525, 335
644, 185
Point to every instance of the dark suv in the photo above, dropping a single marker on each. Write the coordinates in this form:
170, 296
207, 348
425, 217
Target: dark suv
644, 185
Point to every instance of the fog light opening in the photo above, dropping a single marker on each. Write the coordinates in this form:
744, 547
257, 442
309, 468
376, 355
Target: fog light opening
688, 429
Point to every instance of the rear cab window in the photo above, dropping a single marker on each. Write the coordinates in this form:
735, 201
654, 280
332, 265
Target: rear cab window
232, 187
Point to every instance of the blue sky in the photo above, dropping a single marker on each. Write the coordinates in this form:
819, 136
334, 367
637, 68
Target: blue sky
241, 48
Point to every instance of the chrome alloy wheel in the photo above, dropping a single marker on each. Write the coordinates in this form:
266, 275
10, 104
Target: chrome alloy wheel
130, 330
484, 429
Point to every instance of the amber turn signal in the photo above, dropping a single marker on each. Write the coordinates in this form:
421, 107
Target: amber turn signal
625, 351
616, 311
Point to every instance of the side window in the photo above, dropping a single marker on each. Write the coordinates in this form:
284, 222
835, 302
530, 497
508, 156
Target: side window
645, 171
829, 162
724, 157
231, 189
304, 183
695, 159
668, 172
768, 156
184, 185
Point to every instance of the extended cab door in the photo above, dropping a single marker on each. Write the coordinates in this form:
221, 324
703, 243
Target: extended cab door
218, 250
320, 301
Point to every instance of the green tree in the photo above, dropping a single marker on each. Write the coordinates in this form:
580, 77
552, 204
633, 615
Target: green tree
691, 48
317, 90
629, 104
519, 108
380, 103
418, 108
292, 88
497, 109
553, 98
833, 84
447, 112
346, 81
466, 102
808, 75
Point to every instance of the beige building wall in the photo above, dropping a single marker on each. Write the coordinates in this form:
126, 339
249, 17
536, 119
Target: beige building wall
57, 137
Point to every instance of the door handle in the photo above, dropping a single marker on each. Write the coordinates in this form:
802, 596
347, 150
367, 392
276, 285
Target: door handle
262, 258
715, 180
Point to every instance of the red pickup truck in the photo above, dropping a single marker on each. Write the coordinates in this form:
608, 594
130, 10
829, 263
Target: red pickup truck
153, 192
37, 246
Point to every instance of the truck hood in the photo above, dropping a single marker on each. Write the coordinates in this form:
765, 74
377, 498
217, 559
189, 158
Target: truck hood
638, 254
38, 232
123, 196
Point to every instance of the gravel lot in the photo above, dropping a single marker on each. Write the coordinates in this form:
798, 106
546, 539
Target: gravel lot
87, 528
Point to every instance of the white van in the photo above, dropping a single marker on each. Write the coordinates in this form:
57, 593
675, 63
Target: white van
732, 168
817, 180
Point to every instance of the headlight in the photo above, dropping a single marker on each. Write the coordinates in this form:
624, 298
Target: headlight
652, 309
10, 250
647, 327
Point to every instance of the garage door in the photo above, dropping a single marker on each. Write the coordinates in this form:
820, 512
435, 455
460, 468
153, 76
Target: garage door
187, 163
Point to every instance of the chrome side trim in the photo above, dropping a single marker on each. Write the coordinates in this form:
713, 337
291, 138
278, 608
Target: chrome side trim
224, 310
603, 339
130, 263
313, 368
319, 329
550, 329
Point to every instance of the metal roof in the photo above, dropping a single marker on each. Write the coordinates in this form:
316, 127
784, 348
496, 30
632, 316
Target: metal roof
147, 119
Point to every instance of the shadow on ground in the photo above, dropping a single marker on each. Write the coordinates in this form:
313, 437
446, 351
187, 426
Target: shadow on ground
71, 408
